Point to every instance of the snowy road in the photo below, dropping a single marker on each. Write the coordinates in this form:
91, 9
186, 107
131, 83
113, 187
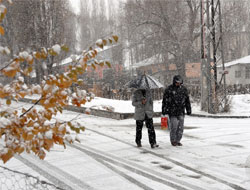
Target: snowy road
214, 156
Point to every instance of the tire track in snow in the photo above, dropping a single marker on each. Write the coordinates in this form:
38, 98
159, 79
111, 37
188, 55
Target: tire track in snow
132, 167
232, 185
129, 178
56, 175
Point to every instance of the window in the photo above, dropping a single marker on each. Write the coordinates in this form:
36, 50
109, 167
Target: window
150, 72
237, 74
247, 72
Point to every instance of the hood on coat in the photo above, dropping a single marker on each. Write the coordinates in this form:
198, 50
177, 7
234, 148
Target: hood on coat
177, 78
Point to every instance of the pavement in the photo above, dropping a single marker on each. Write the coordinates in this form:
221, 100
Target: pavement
215, 155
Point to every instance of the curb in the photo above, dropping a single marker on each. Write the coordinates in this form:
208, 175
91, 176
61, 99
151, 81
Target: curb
220, 116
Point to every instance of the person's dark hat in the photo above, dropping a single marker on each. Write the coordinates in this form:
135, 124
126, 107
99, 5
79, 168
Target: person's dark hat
177, 79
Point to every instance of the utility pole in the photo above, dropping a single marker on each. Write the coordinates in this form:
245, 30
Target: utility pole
223, 60
205, 57
211, 54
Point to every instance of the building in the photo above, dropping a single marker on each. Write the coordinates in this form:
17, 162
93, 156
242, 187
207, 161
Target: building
108, 53
237, 71
165, 72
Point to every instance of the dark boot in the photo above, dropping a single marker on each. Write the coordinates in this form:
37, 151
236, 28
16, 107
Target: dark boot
138, 144
154, 145
179, 144
174, 143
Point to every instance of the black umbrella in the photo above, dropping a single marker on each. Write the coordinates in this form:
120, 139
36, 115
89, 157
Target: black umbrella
144, 82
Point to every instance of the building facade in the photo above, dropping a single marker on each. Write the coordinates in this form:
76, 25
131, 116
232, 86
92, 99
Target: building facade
237, 71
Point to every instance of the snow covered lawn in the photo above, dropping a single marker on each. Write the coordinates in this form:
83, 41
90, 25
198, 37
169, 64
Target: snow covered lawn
240, 105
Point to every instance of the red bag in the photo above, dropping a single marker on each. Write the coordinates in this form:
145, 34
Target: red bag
164, 122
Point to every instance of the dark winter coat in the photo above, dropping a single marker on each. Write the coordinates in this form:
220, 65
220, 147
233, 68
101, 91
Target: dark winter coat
142, 109
176, 99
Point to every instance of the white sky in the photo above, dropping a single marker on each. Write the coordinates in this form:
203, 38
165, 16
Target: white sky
75, 4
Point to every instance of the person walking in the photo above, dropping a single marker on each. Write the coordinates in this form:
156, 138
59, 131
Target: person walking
175, 101
143, 102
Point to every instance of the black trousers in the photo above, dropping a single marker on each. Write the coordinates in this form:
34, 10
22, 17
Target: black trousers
151, 130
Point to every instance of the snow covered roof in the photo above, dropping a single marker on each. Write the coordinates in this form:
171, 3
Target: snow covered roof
149, 61
69, 59
243, 60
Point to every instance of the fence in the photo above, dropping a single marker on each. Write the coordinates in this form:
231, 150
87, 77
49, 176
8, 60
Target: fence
124, 94
238, 89
194, 90
15, 180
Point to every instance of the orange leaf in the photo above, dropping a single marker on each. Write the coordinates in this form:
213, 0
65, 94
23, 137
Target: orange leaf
35, 132
79, 82
22, 94
34, 149
94, 67
7, 156
30, 69
101, 64
85, 59
48, 143
65, 48
31, 61
70, 124
38, 55
84, 66
48, 116
100, 45
83, 101
108, 63
115, 38
1, 30
10, 72
19, 149
52, 52
3, 94
104, 42
25, 136
41, 155
30, 123
44, 55
8, 101
58, 139
29, 136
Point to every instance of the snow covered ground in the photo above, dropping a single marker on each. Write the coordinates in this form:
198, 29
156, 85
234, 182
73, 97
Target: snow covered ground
215, 155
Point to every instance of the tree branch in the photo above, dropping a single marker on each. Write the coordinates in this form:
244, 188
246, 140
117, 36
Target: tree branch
37, 102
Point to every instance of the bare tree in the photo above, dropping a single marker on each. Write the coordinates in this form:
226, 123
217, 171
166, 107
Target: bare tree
36, 24
236, 27
93, 23
164, 27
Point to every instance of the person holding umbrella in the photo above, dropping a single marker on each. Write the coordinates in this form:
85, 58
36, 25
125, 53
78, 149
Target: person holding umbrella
142, 100
175, 101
